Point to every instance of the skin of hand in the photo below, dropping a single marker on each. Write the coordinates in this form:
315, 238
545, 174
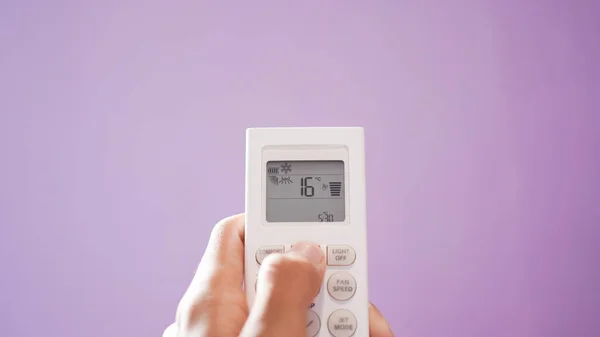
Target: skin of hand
214, 304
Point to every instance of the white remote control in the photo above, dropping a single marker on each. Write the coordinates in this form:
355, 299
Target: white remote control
308, 184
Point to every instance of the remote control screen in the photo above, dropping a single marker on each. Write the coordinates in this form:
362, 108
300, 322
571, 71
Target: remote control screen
305, 191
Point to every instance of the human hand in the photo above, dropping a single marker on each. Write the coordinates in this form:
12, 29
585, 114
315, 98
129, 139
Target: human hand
214, 304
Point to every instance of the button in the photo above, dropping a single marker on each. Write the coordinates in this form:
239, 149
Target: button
341, 286
340, 255
266, 250
342, 323
313, 324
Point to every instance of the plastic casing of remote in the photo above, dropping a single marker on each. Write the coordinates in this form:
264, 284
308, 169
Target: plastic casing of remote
310, 143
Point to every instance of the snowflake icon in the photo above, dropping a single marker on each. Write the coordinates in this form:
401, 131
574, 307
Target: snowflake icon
286, 168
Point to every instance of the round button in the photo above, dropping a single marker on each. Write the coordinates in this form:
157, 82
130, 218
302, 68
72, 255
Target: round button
313, 324
341, 286
340, 255
342, 323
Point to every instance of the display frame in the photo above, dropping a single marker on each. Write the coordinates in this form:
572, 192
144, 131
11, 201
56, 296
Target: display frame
305, 153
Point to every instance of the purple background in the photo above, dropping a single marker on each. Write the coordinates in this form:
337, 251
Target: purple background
122, 130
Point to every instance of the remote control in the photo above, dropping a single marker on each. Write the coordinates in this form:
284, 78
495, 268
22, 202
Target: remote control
308, 184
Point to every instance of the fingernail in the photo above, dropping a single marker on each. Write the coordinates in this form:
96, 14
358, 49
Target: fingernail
310, 250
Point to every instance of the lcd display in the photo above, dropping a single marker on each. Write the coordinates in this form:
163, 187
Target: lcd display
305, 191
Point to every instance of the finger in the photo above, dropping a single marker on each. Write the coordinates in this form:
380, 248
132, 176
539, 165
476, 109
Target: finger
218, 279
378, 325
287, 284
222, 264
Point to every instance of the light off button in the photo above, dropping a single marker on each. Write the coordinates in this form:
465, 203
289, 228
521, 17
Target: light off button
342, 323
263, 251
341, 286
340, 255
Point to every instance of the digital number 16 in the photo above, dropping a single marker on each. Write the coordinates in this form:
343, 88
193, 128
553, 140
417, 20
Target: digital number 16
306, 189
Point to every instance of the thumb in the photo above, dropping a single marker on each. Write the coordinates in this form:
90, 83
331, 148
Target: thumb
287, 284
